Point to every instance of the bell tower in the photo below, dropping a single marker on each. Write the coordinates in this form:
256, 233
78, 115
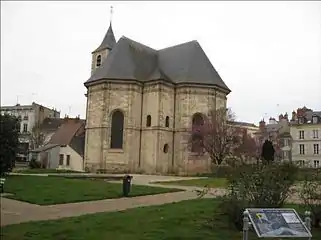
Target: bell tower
100, 54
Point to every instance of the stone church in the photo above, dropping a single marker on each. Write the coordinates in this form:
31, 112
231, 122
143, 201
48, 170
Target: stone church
141, 103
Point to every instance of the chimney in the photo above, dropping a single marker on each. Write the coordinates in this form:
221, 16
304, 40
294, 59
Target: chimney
281, 117
293, 116
300, 112
272, 120
262, 125
286, 116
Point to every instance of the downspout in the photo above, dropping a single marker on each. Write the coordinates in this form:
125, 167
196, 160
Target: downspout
174, 120
86, 135
141, 127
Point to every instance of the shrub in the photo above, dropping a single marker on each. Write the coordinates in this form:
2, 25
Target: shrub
34, 164
257, 186
305, 173
311, 195
8, 142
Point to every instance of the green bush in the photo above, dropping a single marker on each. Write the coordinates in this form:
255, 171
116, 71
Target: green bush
34, 164
311, 195
305, 173
257, 186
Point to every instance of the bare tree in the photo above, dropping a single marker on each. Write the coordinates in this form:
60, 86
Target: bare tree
36, 137
247, 148
216, 135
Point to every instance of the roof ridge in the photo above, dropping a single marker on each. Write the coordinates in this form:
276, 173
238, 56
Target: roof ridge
177, 45
138, 43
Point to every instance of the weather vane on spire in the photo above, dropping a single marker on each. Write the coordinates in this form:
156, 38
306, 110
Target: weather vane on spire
111, 14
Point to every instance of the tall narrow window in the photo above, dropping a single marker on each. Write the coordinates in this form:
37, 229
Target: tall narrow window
117, 130
301, 134
25, 127
98, 61
148, 121
197, 138
316, 148
165, 148
315, 133
301, 146
68, 160
167, 121
61, 159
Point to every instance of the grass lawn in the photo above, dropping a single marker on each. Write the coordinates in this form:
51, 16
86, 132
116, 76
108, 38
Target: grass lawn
184, 220
55, 190
40, 170
210, 182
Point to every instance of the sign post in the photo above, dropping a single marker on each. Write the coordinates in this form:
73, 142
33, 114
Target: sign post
276, 223
246, 225
307, 221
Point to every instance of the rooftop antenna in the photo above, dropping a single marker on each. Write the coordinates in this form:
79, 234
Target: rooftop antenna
33, 97
111, 14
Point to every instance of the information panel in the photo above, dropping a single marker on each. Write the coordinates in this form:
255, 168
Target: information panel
278, 222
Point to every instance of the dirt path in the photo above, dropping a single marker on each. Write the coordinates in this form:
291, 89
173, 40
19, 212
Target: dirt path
13, 212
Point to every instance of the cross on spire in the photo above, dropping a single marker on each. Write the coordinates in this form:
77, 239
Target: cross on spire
111, 14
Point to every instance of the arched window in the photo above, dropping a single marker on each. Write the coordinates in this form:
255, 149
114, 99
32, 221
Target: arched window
197, 138
148, 121
197, 119
98, 61
167, 121
165, 149
117, 129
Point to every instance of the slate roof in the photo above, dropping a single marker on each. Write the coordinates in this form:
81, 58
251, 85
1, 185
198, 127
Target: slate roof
44, 148
51, 124
310, 114
184, 63
245, 124
66, 131
108, 42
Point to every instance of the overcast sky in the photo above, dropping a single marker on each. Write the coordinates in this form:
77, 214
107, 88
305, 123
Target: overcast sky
268, 53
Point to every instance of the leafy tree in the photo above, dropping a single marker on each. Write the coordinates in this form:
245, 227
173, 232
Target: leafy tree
8, 142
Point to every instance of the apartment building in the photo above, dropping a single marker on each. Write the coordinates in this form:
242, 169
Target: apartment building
279, 133
30, 116
305, 129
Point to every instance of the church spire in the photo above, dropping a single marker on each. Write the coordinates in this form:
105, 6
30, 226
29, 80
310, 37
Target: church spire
109, 40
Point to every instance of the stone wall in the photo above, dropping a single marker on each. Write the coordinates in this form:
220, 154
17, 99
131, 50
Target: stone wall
191, 100
149, 149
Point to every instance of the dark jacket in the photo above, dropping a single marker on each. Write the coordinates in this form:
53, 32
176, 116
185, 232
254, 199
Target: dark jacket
268, 151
